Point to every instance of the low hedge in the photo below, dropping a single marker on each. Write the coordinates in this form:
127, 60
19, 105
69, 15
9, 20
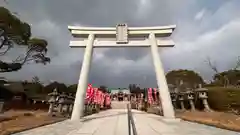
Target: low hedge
224, 99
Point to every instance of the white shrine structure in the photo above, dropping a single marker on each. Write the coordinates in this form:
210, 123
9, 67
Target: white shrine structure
121, 36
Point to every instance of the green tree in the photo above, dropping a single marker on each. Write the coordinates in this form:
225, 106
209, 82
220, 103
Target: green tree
225, 78
134, 88
33, 88
189, 77
35, 79
72, 88
61, 87
233, 77
15, 32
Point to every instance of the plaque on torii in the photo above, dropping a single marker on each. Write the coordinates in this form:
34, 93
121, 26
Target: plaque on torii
121, 36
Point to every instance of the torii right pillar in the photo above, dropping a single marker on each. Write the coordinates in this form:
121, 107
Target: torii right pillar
166, 101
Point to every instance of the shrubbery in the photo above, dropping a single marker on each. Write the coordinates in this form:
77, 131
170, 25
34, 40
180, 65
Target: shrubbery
224, 99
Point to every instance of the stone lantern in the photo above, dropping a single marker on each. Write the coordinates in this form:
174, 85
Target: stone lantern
174, 98
202, 94
69, 102
181, 99
61, 102
190, 97
52, 100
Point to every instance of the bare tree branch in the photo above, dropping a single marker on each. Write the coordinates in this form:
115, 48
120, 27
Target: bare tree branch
237, 64
212, 66
222, 77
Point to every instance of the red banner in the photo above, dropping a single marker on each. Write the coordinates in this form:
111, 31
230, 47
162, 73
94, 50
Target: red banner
89, 94
150, 98
102, 99
96, 93
99, 97
155, 94
87, 97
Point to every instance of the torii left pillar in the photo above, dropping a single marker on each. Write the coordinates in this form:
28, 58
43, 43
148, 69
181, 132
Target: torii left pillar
78, 108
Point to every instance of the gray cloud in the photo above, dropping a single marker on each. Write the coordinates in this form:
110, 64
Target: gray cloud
214, 34
127, 53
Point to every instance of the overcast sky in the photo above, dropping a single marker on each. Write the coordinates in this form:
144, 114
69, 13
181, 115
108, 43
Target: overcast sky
204, 28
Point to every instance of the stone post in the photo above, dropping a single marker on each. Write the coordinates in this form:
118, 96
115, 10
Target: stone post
181, 99
190, 96
52, 100
167, 106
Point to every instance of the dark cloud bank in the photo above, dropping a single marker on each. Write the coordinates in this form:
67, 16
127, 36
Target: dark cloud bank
203, 29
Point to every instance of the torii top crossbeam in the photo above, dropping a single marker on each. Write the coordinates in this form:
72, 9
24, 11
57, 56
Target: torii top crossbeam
107, 36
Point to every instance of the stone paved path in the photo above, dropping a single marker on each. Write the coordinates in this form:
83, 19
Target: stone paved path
119, 105
114, 122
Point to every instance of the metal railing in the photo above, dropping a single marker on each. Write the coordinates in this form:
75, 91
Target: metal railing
131, 124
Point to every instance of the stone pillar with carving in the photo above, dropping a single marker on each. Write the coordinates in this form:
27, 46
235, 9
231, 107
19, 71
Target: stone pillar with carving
52, 100
190, 97
181, 99
202, 94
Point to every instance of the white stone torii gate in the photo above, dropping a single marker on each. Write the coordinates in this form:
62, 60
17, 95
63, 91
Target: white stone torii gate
121, 36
